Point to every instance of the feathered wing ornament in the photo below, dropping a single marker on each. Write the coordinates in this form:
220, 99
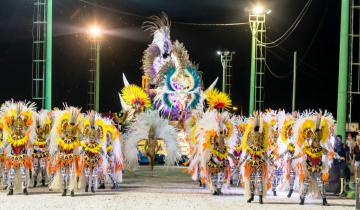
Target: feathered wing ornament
139, 130
327, 129
326, 126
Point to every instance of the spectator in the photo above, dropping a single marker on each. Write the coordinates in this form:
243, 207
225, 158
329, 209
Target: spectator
342, 150
356, 156
350, 143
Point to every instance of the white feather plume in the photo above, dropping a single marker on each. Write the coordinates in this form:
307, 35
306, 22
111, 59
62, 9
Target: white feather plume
139, 130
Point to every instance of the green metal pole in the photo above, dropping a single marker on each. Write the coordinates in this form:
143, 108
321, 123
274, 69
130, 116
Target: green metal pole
343, 68
48, 73
97, 79
223, 72
252, 71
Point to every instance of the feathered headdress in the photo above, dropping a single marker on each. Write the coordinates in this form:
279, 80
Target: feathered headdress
156, 23
43, 127
160, 49
94, 121
314, 125
217, 100
256, 124
135, 95
65, 120
18, 114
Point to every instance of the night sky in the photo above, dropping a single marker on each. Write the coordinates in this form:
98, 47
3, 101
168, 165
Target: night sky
316, 39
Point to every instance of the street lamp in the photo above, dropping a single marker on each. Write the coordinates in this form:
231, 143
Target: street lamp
226, 59
234, 108
257, 25
95, 34
258, 9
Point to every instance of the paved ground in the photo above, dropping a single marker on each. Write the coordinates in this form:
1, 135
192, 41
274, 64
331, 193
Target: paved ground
165, 189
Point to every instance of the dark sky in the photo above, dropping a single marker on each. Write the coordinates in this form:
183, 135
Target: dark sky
316, 39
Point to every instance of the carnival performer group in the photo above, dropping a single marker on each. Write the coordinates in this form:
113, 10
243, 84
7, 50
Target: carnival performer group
75, 151
60, 145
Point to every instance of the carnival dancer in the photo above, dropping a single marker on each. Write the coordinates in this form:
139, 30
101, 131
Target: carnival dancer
289, 150
255, 161
215, 135
271, 117
18, 128
40, 145
313, 134
190, 128
114, 164
65, 149
93, 155
151, 132
235, 152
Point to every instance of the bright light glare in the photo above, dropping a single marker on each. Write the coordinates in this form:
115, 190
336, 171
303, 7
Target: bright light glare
95, 31
218, 52
258, 9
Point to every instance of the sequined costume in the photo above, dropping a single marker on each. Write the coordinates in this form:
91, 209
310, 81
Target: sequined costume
289, 151
65, 150
235, 155
18, 128
114, 164
313, 134
215, 135
236, 151
93, 154
254, 159
218, 163
40, 154
270, 116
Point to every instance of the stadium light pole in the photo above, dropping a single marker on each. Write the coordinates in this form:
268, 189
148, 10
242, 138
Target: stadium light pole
256, 16
96, 33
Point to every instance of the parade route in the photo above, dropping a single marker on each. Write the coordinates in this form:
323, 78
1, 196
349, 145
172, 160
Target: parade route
165, 189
